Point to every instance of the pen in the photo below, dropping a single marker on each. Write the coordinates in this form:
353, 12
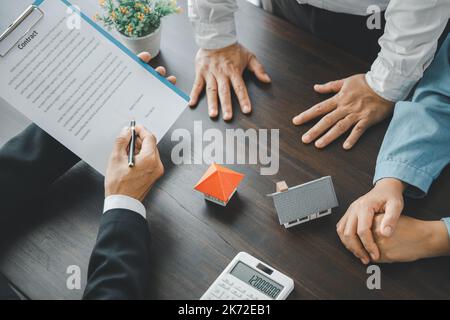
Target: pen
132, 144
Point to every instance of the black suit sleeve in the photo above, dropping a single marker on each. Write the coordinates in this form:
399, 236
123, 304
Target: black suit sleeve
6, 293
29, 164
120, 262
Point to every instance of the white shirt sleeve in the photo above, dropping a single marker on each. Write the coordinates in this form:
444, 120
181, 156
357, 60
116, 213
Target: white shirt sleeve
408, 45
124, 202
213, 22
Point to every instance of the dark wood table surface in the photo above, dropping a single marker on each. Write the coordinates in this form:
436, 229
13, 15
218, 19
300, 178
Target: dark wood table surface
193, 240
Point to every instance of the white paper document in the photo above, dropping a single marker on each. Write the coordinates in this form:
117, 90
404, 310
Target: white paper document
82, 86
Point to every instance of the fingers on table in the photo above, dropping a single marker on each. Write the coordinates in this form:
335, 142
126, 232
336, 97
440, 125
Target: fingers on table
329, 87
357, 131
240, 89
336, 131
223, 84
211, 94
315, 111
197, 89
219, 88
258, 69
323, 125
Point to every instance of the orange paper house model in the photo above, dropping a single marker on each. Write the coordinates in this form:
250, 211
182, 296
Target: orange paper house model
218, 184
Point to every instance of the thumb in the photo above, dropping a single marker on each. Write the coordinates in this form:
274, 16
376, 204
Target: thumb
329, 87
122, 141
258, 69
392, 212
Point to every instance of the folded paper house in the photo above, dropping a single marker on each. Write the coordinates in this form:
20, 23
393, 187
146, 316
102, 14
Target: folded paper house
305, 202
218, 184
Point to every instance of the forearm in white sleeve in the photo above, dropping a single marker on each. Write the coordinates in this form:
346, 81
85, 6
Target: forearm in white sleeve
408, 45
213, 22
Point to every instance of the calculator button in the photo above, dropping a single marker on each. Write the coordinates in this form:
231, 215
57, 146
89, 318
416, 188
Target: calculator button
251, 296
226, 296
236, 293
228, 281
217, 292
223, 285
240, 289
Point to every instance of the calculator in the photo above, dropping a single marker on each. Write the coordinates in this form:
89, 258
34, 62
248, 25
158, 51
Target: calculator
247, 278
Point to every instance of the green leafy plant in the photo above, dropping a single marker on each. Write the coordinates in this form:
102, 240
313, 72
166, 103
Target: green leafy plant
135, 18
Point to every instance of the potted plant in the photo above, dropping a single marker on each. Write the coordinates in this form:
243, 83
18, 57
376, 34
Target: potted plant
137, 21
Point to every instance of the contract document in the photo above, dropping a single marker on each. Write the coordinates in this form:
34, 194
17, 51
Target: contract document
82, 86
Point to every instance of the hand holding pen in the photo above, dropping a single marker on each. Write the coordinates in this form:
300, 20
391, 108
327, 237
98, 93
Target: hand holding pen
132, 146
133, 181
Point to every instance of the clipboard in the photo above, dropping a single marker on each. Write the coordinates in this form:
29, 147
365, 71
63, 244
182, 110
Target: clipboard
34, 14
68, 80
19, 28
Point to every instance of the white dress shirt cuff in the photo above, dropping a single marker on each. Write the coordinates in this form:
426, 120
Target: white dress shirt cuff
124, 202
215, 35
388, 83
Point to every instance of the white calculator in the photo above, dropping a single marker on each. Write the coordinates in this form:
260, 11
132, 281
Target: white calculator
247, 278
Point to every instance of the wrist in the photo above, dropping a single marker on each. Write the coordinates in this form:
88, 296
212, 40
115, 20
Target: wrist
232, 46
122, 190
438, 243
392, 184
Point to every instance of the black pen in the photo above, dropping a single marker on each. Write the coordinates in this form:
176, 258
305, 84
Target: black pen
132, 144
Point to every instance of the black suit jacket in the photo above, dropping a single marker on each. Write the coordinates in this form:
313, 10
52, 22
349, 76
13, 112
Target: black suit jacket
120, 261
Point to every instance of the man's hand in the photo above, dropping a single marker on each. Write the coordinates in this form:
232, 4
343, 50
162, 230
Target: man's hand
218, 69
354, 104
146, 57
412, 240
134, 182
355, 227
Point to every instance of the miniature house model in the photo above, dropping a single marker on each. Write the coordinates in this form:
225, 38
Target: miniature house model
304, 202
218, 184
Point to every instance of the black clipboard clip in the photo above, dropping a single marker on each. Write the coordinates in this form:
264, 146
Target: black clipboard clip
19, 28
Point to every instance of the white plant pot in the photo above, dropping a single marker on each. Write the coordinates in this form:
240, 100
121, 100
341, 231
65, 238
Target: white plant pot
150, 43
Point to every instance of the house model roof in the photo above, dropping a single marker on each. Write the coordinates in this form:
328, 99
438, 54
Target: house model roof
219, 182
305, 199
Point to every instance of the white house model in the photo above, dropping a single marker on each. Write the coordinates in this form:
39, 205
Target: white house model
304, 202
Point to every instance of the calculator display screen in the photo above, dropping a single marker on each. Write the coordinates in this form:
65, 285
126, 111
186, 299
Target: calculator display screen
255, 279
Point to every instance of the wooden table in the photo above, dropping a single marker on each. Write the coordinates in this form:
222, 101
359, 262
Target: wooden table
193, 240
